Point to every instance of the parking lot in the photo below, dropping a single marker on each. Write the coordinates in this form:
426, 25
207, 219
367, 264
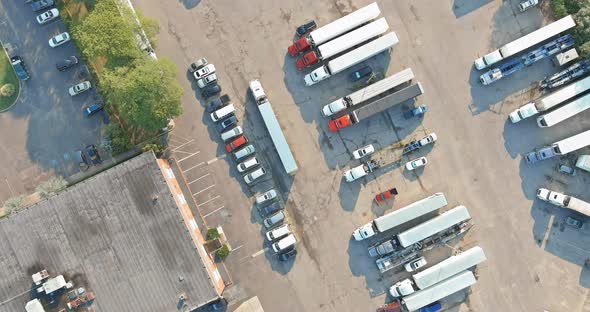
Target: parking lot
46, 125
535, 263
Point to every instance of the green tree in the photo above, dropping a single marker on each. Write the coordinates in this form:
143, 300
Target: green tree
150, 26
145, 95
558, 8
107, 31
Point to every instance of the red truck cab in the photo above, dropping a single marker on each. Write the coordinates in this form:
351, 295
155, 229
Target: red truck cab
308, 59
339, 123
298, 46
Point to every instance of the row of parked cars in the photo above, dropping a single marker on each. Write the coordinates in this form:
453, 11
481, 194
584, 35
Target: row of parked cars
222, 112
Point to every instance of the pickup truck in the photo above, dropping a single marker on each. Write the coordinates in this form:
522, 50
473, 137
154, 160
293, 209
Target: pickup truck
360, 171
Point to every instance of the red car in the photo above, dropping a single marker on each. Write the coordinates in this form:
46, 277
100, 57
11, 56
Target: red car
233, 145
385, 195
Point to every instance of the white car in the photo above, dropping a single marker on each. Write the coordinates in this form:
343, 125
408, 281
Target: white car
204, 71
429, 139
231, 133
363, 151
47, 16
525, 5
79, 88
266, 196
203, 82
254, 175
415, 264
248, 164
59, 39
416, 163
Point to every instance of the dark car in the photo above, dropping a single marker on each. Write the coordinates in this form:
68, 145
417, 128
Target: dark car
66, 63
92, 109
433, 307
230, 121
93, 153
19, 67
417, 111
211, 90
360, 73
214, 105
303, 29
270, 209
41, 4
288, 254
571, 221
82, 161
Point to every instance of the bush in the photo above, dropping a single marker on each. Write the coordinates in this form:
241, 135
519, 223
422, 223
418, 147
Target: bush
51, 187
7, 90
156, 148
572, 6
13, 203
118, 141
558, 8
212, 234
223, 251
584, 50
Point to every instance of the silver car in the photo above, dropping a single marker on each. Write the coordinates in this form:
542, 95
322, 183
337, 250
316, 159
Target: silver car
274, 219
248, 164
266, 197
254, 175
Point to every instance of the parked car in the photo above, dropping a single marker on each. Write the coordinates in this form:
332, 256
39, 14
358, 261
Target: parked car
204, 71
198, 64
361, 72
58, 40
305, 28
386, 195
274, 219
93, 153
248, 164
284, 243
266, 197
416, 111
222, 113
92, 109
246, 151
41, 4
254, 175
363, 151
575, 222
541, 154
525, 5
236, 143
211, 90
566, 169
287, 254
82, 161
429, 139
214, 105
415, 264
278, 233
19, 68
270, 209
66, 63
231, 133
416, 163
229, 121
79, 88
47, 16
203, 82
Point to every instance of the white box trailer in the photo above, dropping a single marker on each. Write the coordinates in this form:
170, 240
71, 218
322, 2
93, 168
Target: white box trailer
449, 267
401, 216
567, 111
344, 24
438, 291
572, 143
583, 162
351, 58
526, 42
433, 226
564, 201
368, 92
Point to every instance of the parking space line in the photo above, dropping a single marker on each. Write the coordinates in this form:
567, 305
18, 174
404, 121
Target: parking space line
214, 211
234, 249
259, 253
189, 156
180, 152
181, 145
216, 159
193, 167
197, 179
208, 201
201, 191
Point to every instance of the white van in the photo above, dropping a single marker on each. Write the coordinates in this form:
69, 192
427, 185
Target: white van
222, 112
246, 151
284, 243
278, 233
233, 132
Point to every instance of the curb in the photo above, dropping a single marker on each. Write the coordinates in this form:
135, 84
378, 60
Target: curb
20, 86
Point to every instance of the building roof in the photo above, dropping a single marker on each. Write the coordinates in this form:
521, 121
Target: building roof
119, 233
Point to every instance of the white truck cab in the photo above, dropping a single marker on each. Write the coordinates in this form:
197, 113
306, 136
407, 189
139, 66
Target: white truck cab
364, 232
487, 60
355, 173
552, 197
334, 107
402, 288
316, 76
523, 112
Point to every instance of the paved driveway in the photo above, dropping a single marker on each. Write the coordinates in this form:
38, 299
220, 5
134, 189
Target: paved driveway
46, 126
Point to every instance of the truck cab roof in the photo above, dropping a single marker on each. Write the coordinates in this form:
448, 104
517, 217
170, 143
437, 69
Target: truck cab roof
257, 91
523, 112
363, 232
355, 173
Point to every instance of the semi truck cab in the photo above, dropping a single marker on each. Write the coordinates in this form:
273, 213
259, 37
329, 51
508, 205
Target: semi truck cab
364, 232
402, 288
316, 76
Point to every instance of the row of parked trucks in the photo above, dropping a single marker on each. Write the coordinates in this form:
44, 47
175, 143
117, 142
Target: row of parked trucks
561, 147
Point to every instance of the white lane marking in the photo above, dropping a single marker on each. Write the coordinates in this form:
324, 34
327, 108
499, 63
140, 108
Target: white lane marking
212, 212
195, 166
189, 156
181, 145
234, 249
208, 201
216, 159
201, 191
197, 179
258, 253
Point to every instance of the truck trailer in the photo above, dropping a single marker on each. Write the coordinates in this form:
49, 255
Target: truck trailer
376, 107
440, 223
400, 216
525, 42
564, 201
551, 100
343, 43
273, 127
351, 58
368, 92
335, 28
569, 110
438, 291
562, 147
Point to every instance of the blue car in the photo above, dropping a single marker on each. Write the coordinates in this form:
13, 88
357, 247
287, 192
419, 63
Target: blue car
92, 109
417, 111
361, 72
93, 153
230, 121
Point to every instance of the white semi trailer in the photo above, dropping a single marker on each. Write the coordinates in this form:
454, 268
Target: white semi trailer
567, 111
564, 201
438, 291
438, 224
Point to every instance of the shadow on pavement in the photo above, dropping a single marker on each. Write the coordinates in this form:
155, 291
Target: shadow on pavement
464, 7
